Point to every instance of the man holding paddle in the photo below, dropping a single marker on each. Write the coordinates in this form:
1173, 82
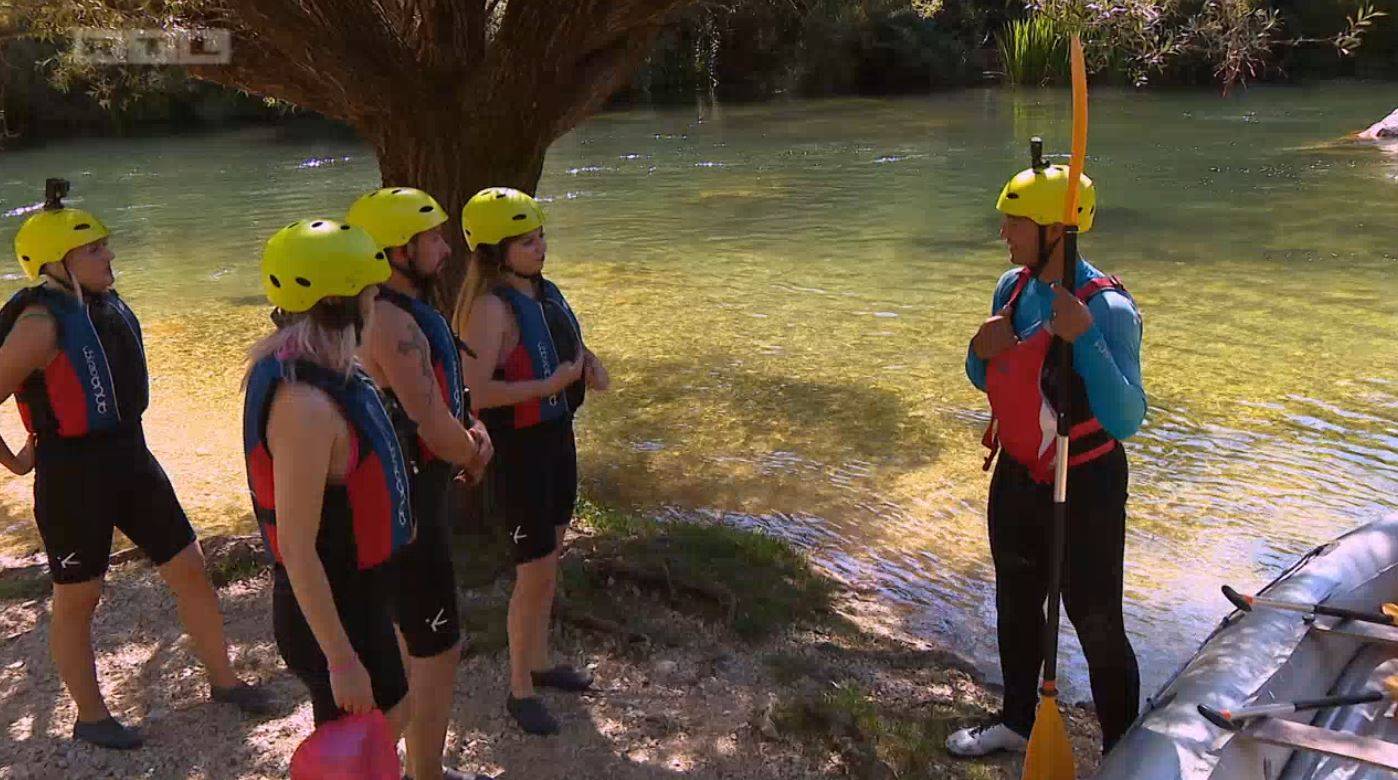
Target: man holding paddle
1059, 359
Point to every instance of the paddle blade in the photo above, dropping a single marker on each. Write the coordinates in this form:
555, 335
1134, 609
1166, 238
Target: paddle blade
1050, 754
1079, 158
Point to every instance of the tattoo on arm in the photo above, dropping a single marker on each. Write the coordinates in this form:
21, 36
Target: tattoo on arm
417, 345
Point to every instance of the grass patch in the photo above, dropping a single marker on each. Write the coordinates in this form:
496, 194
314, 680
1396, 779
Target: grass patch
755, 584
24, 588
235, 569
872, 739
1034, 51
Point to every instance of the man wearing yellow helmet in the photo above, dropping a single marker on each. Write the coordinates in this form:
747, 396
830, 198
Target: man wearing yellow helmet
327, 476
1013, 358
73, 358
415, 358
528, 379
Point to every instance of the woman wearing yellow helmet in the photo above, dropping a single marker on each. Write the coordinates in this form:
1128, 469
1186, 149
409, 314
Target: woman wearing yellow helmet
1014, 359
73, 358
328, 480
527, 380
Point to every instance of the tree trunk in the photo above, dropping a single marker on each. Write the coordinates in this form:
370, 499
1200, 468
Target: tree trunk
453, 155
454, 95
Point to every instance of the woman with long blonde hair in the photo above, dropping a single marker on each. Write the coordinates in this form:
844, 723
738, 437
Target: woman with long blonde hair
328, 480
527, 379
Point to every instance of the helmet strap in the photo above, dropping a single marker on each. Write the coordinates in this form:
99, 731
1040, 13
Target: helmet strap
528, 277
1045, 250
71, 283
503, 261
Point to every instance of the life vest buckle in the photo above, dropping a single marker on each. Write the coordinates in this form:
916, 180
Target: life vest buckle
991, 441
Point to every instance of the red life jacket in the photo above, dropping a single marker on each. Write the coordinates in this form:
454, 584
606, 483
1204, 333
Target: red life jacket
97, 382
363, 521
1022, 384
549, 334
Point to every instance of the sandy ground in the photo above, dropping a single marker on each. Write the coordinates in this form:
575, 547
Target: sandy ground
700, 706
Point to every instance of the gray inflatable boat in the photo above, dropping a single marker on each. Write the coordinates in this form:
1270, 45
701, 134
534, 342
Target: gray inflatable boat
1270, 656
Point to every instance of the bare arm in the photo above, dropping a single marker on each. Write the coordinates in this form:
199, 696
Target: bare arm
29, 347
489, 320
301, 428
400, 352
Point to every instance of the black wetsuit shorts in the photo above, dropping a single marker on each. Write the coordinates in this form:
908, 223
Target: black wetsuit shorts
83, 487
536, 484
424, 580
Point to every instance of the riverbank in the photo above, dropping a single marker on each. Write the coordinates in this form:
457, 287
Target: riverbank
719, 653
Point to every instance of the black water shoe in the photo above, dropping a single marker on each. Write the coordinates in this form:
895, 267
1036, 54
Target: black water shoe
532, 716
108, 734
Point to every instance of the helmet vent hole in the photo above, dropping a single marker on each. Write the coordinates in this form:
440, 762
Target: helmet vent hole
82, 226
277, 283
466, 231
344, 227
378, 255
26, 258
317, 224
303, 281
499, 195
520, 217
1012, 196
294, 224
426, 209
397, 190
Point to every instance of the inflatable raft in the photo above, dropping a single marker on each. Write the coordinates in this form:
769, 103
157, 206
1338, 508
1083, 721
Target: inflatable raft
1267, 656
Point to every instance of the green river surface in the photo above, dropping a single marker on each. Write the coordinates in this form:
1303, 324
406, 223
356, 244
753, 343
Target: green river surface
784, 293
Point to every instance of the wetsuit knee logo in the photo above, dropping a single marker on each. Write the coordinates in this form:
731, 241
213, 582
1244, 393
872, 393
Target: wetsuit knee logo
437, 622
71, 559
519, 534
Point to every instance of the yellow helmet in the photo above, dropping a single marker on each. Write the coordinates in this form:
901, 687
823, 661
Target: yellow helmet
497, 213
1040, 193
47, 237
393, 215
313, 259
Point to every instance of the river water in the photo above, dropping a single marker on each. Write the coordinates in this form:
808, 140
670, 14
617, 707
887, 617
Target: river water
784, 294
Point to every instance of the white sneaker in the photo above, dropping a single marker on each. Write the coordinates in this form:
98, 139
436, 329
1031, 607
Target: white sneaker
983, 740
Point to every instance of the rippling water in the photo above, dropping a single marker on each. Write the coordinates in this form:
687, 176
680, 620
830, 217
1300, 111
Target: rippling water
784, 294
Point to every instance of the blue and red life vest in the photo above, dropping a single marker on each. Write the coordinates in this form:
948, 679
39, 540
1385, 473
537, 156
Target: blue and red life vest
371, 510
549, 334
97, 382
1022, 383
446, 366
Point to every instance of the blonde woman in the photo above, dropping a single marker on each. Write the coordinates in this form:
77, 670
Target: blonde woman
328, 480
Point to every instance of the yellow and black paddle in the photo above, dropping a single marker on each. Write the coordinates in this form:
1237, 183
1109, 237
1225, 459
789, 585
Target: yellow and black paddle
1050, 754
